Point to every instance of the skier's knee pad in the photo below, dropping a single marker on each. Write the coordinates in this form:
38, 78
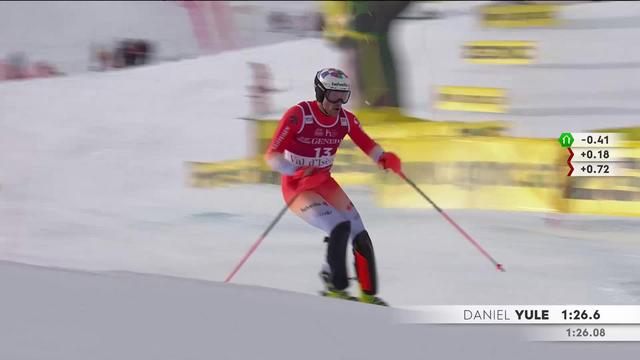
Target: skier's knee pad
365, 263
337, 254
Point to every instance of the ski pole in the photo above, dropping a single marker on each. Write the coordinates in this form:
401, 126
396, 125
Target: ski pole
257, 243
444, 214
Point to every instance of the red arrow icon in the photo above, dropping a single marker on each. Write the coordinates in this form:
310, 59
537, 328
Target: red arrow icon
569, 162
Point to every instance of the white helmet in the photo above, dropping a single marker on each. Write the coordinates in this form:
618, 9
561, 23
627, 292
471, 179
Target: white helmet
331, 79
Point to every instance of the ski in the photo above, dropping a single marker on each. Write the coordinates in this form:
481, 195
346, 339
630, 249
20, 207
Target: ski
348, 297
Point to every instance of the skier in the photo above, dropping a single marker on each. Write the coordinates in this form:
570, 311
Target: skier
302, 150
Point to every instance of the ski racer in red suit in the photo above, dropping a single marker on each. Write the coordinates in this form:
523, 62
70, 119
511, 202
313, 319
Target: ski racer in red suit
302, 150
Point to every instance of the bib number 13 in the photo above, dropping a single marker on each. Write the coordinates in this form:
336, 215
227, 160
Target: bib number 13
327, 151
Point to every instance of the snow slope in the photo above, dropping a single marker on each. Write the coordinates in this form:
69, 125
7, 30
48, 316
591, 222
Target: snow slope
65, 315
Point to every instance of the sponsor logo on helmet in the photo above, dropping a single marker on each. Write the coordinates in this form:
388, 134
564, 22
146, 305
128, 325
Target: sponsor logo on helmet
338, 86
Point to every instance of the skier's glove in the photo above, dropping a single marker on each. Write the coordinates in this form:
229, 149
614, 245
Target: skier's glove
390, 161
312, 181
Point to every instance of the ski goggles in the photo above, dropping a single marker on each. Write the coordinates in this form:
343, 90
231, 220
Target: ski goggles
334, 96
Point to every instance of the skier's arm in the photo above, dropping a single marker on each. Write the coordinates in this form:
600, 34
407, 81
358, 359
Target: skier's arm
386, 160
289, 125
363, 141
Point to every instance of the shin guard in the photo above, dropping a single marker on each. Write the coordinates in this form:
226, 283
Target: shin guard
365, 263
337, 255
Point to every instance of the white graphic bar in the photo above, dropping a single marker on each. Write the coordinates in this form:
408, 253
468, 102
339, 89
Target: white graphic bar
582, 169
522, 314
599, 154
597, 140
589, 333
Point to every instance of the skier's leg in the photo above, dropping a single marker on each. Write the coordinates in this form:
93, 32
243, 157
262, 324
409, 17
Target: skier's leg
336, 197
337, 255
365, 263
313, 209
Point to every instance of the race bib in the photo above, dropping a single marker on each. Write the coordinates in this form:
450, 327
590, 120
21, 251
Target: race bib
319, 162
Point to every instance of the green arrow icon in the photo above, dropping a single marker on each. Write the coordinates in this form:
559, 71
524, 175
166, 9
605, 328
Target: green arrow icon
566, 139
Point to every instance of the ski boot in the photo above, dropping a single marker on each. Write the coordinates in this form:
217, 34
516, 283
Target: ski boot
334, 271
339, 294
372, 299
332, 292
